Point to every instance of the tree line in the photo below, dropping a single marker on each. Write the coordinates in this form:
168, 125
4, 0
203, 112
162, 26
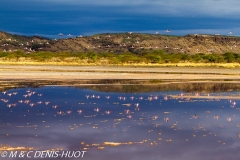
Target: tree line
156, 56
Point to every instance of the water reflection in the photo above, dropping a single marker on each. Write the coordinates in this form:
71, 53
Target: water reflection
117, 125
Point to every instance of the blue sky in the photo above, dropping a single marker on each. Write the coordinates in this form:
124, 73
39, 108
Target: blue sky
48, 17
179, 8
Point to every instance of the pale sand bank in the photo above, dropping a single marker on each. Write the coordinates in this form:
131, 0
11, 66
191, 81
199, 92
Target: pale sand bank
100, 72
204, 97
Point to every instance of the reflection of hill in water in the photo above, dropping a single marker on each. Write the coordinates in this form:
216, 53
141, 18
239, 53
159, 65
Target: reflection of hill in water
127, 86
187, 87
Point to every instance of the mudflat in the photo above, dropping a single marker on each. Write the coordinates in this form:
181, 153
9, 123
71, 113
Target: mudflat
14, 72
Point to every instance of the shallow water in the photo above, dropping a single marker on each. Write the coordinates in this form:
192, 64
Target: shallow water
117, 125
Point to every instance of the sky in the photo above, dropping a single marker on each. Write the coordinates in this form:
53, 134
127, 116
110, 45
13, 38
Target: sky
87, 17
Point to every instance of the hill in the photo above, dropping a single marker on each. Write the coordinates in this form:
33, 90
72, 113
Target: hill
123, 42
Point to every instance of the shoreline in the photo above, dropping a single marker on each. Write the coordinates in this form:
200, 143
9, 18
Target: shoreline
204, 97
33, 72
100, 64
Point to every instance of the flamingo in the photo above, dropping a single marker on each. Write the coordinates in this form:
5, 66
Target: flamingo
79, 111
96, 109
107, 112
55, 106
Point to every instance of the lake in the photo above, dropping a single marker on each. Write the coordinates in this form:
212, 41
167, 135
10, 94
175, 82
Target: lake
195, 121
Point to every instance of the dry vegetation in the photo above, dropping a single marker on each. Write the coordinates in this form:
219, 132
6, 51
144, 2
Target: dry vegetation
122, 49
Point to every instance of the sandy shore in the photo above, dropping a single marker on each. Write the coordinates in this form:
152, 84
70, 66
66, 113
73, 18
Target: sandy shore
205, 97
13, 72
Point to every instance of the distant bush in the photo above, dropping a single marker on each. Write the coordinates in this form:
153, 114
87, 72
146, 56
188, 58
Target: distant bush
211, 58
185, 57
42, 56
153, 58
230, 57
197, 58
128, 57
81, 55
92, 56
4, 54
